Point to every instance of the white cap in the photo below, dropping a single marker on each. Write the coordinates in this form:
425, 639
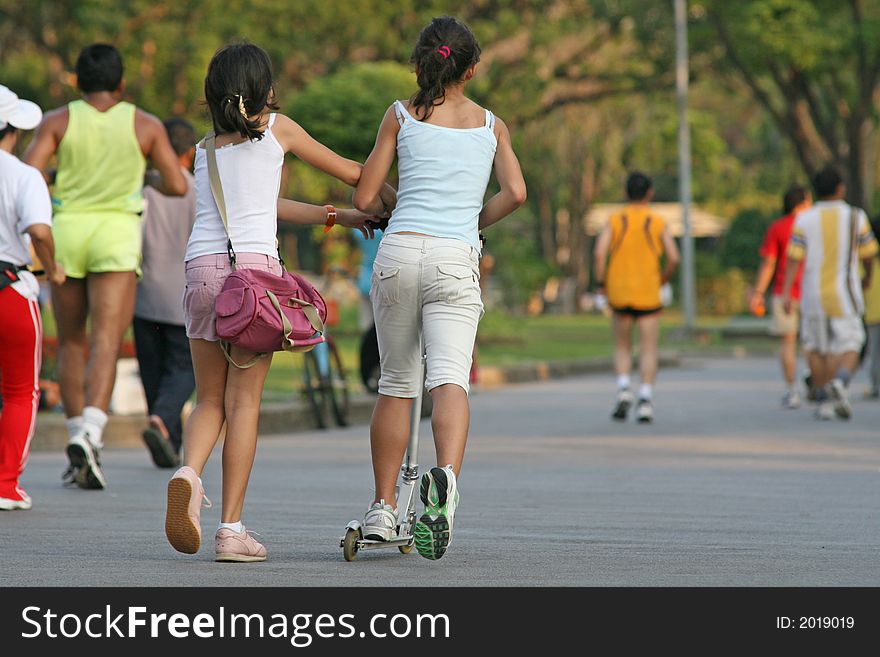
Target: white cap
17, 112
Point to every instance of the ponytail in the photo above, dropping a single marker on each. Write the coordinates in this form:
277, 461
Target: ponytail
444, 52
239, 85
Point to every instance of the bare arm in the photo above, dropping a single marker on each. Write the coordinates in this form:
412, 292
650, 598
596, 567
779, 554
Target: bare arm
600, 256
765, 275
791, 268
297, 212
168, 178
670, 248
44, 245
507, 171
294, 139
45, 142
369, 196
868, 266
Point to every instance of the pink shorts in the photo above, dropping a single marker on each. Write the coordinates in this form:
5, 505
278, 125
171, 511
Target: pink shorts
205, 276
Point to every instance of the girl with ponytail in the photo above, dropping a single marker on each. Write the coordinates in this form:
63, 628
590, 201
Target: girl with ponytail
251, 141
426, 274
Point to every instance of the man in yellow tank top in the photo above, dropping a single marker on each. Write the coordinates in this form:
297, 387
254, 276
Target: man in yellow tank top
102, 144
627, 267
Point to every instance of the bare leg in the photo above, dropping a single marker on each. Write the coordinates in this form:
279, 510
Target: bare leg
649, 336
788, 357
202, 429
70, 305
622, 328
111, 302
450, 422
848, 361
389, 436
820, 370
244, 390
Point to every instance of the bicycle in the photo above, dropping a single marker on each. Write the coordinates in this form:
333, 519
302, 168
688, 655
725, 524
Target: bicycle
325, 386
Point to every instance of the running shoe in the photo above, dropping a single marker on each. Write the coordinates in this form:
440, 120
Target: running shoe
186, 496
380, 523
838, 393
240, 547
622, 404
645, 411
811, 391
791, 399
18, 500
433, 531
85, 461
825, 411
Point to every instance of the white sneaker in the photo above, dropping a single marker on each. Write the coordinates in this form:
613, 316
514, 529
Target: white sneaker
791, 399
840, 397
622, 404
85, 462
825, 411
645, 411
380, 523
21, 502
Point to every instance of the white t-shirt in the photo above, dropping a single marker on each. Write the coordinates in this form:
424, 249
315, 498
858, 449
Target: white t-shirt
24, 202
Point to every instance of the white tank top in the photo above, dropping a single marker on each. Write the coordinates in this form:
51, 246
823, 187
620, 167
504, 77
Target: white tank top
250, 173
443, 177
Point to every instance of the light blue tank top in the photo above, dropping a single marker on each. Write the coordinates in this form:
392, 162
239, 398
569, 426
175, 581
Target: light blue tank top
444, 173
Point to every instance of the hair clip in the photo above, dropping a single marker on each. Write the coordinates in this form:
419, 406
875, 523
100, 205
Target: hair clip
445, 51
241, 108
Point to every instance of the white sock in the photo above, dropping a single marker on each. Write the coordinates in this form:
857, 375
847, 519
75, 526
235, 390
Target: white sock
645, 391
94, 421
237, 527
622, 381
74, 425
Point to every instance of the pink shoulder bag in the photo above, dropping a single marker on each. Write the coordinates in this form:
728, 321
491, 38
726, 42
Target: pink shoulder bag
257, 310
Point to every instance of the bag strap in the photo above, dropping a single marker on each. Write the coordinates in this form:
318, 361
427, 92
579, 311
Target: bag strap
224, 347
311, 313
217, 191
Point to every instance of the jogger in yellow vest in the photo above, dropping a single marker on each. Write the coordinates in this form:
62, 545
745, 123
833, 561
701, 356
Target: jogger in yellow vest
102, 144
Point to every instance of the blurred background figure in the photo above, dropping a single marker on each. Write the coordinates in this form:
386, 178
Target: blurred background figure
160, 335
773, 262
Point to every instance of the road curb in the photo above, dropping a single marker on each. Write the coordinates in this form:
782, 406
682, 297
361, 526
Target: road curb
279, 417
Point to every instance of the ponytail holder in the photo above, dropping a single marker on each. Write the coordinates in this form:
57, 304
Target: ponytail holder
445, 51
241, 109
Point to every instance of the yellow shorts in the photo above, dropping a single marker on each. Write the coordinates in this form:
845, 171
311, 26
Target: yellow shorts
97, 242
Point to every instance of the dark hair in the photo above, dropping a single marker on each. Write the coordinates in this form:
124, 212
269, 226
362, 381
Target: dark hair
98, 68
446, 49
181, 134
827, 181
239, 76
637, 186
793, 198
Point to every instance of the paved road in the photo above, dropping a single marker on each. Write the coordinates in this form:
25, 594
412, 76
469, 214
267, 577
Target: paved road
725, 489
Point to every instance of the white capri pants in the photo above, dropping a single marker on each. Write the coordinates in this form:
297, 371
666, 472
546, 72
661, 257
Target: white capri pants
427, 285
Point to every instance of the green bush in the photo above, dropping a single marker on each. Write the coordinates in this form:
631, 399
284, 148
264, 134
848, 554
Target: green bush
742, 241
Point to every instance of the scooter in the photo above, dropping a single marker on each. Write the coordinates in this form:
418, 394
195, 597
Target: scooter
354, 541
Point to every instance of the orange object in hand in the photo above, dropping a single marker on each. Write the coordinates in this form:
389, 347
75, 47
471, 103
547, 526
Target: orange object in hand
759, 309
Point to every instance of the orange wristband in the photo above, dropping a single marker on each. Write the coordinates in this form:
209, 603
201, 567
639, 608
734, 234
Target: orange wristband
331, 218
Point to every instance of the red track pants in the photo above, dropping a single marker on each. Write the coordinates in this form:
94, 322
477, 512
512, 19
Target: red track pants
21, 342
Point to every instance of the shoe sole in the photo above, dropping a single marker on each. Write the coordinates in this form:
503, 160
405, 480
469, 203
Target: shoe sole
13, 505
237, 558
375, 536
183, 535
88, 475
621, 411
432, 536
646, 420
160, 449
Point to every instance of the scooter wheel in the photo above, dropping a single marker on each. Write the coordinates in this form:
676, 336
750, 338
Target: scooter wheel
350, 544
405, 549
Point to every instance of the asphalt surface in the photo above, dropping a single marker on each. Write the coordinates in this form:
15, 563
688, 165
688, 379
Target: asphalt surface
725, 489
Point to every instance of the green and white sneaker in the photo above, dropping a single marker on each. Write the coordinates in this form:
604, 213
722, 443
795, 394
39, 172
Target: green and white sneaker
433, 531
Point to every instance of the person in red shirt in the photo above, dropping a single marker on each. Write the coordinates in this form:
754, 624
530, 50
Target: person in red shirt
773, 252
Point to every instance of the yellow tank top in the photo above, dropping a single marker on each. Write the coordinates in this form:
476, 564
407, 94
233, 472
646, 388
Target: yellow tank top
100, 163
633, 276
